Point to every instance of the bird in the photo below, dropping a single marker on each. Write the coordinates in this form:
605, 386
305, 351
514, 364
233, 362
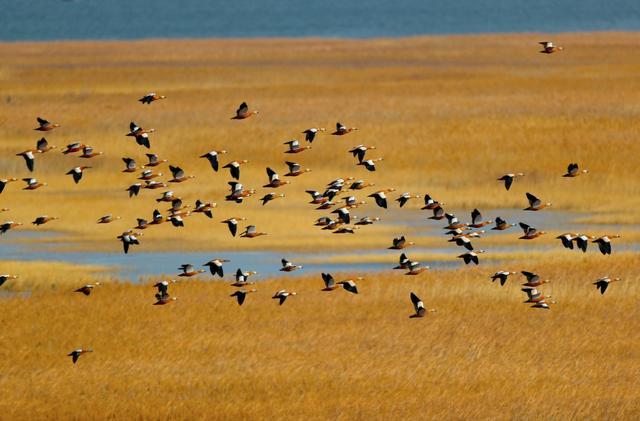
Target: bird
167, 196
212, 157
142, 224
295, 169
574, 171
165, 300
329, 282
234, 168
45, 126
416, 268
502, 276
360, 151
87, 152
32, 184
381, 198
462, 241
75, 354
154, 185
476, 220
73, 147
365, 220
370, 164
147, 175
349, 285
5, 277
157, 218
204, 207
287, 266
176, 220
86, 289
187, 270
294, 147
471, 256
603, 283
5, 181
567, 240
163, 289
41, 220
530, 232
232, 224
77, 172
533, 280
274, 179
310, 134
342, 130
405, 197
418, 306
430, 203
269, 197
542, 304
154, 161
533, 295
604, 243
141, 135
438, 213
508, 179
43, 146
243, 112
250, 232
282, 295
179, 175
238, 192
130, 165
29, 158
215, 266
151, 97
454, 222
535, 204
400, 243
128, 239
6, 226
582, 241
360, 184
106, 219
502, 224
403, 262
549, 48
242, 278
134, 189
241, 295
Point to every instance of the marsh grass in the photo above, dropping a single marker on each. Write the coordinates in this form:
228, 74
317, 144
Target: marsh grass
483, 354
448, 114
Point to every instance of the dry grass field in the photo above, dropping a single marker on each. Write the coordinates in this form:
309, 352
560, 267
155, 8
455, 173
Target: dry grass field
448, 114
484, 354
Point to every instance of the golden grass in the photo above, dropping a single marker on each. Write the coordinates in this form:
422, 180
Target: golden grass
448, 114
48, 275
483, 354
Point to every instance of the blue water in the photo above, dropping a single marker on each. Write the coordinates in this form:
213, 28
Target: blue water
135, 19
139, 263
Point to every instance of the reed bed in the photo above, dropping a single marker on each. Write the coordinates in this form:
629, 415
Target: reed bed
482, 354
448, 114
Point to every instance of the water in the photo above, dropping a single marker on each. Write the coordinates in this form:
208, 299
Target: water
42, 245
135, 19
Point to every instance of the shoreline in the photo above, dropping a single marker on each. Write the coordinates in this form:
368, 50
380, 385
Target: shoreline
304, 39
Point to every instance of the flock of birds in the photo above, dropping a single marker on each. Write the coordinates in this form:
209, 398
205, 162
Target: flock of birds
461, 233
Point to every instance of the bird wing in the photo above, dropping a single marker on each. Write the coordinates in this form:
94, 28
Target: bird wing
533, 201
242, 109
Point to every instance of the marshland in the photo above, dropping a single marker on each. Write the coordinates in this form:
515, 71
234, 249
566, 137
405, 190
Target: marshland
449, 115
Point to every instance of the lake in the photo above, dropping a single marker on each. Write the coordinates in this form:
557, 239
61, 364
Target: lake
136, 19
